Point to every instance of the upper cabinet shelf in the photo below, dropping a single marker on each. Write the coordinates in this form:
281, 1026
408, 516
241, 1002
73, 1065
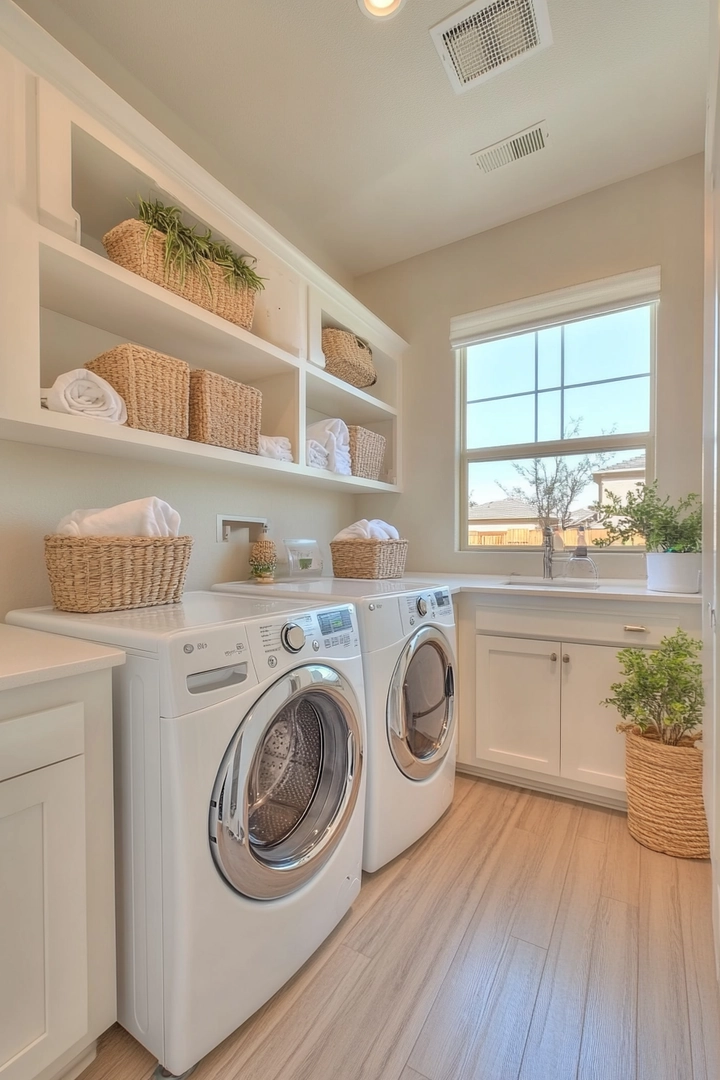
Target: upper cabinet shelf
90, 289
62, 301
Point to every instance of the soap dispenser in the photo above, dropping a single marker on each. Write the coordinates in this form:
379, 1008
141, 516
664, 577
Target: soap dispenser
580, 567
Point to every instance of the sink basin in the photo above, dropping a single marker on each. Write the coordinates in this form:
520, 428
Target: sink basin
552, 583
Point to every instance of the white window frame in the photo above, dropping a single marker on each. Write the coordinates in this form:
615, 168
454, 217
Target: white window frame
635, 289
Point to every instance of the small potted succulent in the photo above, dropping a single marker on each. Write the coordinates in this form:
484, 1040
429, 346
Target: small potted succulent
672, 534
660, 701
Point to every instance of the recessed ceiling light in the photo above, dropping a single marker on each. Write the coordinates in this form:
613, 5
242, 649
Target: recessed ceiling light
380, 9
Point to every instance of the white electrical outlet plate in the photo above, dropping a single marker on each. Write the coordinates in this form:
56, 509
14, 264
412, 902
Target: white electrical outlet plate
227, 522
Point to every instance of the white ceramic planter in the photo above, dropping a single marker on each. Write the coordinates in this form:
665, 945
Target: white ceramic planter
673, 572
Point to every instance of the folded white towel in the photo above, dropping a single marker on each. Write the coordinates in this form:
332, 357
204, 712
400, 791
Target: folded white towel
142, 517
334, 436
368, 530
316, 454
84, 393
277, 447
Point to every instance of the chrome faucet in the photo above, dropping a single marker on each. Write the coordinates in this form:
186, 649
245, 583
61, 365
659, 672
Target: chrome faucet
548, 542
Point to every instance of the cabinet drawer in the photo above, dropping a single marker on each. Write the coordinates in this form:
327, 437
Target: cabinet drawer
600, 625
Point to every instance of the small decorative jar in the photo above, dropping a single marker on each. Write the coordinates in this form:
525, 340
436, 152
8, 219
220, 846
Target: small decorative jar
263, 560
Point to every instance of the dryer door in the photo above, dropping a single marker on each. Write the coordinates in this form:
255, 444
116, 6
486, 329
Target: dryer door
420, 707
288, 784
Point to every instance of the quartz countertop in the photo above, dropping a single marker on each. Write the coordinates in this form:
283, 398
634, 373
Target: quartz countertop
30, 656
608, 589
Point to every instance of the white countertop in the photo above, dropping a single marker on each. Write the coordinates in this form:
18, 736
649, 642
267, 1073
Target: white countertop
609, 588
28, 656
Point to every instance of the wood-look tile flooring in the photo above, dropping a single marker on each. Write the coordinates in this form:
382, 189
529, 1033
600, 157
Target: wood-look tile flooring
524, 938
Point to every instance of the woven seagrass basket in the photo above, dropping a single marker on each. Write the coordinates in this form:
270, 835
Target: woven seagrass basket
115, 573
154, 387
130, 245
224, 412
348, 358
368, 558
367, 452
664, 793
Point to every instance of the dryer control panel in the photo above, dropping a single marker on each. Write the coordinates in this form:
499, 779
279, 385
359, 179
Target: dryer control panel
310, 635
428, 606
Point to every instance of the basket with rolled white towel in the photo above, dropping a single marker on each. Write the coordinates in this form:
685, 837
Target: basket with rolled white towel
83, 393
126, 556
368, 549
334, 437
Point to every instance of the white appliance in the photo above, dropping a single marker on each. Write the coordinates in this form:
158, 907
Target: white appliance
239, 742
407, 631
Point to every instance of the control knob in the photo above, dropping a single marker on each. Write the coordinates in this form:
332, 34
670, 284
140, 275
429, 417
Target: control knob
292, 637
421, 606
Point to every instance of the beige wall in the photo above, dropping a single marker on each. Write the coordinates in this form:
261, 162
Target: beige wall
656, 218
39, 486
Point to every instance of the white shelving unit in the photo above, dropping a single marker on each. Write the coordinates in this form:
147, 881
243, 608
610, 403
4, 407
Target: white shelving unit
62, 301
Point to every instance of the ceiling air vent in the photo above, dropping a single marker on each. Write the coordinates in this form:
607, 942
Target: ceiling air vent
486, 37
506, 151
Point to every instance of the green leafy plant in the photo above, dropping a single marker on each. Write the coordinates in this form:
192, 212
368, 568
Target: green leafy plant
662, 692
185, 247
663, 525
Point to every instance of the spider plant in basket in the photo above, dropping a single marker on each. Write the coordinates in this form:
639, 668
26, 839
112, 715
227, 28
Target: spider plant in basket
159, 246
660, 701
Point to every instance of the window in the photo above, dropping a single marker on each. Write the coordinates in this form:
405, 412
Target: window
553, 417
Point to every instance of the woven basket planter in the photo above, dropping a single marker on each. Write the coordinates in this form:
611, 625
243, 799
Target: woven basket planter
155, 388
367, 452
224, 412
129, 245
368, 558
348, 358
115, 573
664, 793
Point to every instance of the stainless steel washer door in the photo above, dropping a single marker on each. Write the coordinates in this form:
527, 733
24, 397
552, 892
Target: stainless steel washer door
288, 784
420, 706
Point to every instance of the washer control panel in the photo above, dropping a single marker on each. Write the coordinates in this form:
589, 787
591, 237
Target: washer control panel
305, 635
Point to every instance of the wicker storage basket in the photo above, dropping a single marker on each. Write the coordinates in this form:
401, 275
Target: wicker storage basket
113, 573
347, 357
223, 412
368, 558
155, 388
664, 793
367, 452
129, 246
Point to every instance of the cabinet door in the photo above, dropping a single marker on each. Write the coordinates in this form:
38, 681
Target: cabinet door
43, 926
518, 702
592, 751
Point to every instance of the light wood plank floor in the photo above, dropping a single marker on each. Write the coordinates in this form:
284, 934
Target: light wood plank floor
524, 938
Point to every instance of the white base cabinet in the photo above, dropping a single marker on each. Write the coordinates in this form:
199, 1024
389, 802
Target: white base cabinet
57, 902
533, 675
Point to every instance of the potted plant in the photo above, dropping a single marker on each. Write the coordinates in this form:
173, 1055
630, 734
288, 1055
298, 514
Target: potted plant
660, 701
160, 247
672, 534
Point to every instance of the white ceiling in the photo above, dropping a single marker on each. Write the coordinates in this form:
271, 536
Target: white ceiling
348, 128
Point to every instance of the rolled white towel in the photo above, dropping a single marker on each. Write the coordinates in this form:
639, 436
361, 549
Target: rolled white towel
277, 447
142, 517
390, 530
83, 393
316, 455
368, 530
334, 436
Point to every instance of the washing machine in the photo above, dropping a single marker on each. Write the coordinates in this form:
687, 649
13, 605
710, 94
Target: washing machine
407, 631
240, 783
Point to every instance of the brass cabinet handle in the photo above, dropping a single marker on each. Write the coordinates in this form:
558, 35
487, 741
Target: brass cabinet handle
635, 629
566, 658
553, 656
